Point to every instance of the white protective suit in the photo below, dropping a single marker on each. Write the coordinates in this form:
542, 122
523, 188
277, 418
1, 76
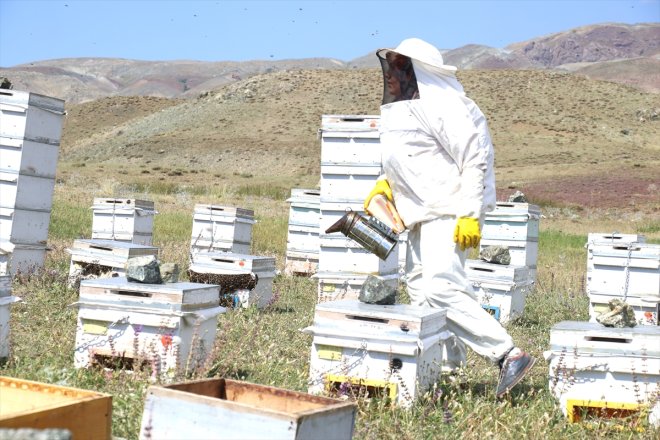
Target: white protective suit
438, 159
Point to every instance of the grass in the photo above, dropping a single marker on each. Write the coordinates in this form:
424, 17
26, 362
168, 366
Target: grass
267, 347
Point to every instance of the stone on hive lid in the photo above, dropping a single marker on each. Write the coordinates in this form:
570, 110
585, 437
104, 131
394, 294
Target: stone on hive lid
620, 315
518, 197
496, 254
143, 269
376, 291
169, 272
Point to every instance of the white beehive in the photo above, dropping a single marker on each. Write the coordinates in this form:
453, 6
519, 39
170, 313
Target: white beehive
104, 256
222, 228
339, 253
512, 221
334, 286
127, 220
6, 299
31, 116
614, 238
23, 258
402, 246
348, 182
303, 239
304, 207
592, 366
501, 289
627, 269
170, 326
350, 139
22, 156
301, 263
394, 350
523, 253
226, 263
24, 226
229, 409
26, 192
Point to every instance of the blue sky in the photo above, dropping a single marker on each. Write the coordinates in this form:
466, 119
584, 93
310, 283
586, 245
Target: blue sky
222, 30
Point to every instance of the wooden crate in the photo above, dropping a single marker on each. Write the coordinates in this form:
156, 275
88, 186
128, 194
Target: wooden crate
350, 139
588, 361
36, 405
395, 351
31, 116
171, 326
27, 157
24, 191
229, 409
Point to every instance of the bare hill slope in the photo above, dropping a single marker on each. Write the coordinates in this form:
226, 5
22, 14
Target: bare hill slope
556, 135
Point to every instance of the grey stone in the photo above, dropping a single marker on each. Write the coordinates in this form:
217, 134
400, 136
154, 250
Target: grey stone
144, 269
620, 315
518, 197
5, 83
169, 272
496, 254
376, 291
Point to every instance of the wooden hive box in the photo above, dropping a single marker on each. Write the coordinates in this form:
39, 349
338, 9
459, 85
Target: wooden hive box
31, 116
592, 366
334, 286
21, 257
222, 228
36, 405
129, 220
394, 351
350, 139
28, 157
24, 191
172, 326
512, 221
229, 409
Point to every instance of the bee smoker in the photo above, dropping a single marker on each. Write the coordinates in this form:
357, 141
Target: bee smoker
367, 231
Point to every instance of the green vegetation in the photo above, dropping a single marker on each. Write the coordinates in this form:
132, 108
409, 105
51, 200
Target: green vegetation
267, 346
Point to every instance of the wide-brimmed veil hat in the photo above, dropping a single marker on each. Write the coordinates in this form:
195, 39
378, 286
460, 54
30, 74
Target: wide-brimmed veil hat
421, 51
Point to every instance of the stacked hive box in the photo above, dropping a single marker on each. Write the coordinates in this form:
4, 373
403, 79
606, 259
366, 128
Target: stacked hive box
392, 350
501, 289
230, 409
516, 226
222, 228
167, 326
106, 258
6, 299
350, 166
604, 371
128, 220
623, 267
302, 245
30, 131
245, 280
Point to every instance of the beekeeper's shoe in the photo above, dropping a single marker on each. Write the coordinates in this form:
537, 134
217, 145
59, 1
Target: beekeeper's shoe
515, 366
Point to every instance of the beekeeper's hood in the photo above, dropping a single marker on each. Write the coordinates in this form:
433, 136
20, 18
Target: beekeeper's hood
420, 69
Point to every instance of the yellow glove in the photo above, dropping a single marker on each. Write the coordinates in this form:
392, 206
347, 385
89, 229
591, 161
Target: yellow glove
382, 187
467, 233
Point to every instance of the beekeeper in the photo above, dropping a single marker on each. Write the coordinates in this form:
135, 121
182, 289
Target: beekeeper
438, 171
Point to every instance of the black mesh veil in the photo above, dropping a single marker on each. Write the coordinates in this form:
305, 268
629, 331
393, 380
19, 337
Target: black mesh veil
399, 82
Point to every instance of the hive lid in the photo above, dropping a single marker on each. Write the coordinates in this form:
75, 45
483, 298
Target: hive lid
23, 99
112, 247
119, 289
223, 211
614, 238
592, 337
230, 262
636, 251
479, 270
350, 122
109, 204
354, 315
514, 209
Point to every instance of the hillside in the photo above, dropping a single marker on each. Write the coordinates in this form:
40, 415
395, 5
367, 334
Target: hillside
80, 80
558, 137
